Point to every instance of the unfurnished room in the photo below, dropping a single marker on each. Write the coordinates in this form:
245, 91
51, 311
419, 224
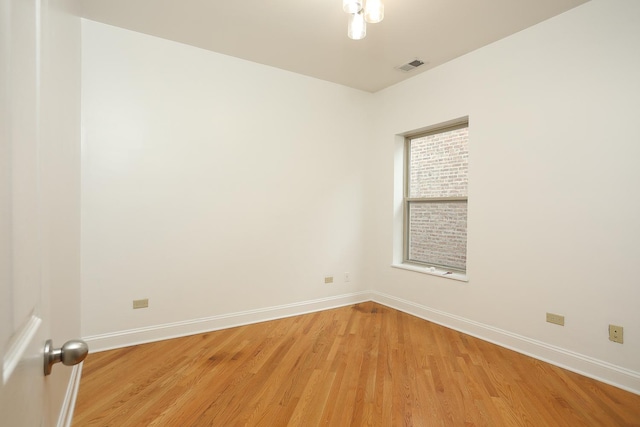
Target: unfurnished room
319, 212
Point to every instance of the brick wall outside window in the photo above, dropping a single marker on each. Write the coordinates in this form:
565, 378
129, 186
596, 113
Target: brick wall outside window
439, 164
439, 233
438, 167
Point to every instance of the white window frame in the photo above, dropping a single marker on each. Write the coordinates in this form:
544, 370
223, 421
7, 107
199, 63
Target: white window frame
401, 253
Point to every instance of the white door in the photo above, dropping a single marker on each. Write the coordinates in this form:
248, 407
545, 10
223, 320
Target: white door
27, 397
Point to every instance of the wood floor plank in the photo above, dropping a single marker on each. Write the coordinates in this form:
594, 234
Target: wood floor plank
365, 364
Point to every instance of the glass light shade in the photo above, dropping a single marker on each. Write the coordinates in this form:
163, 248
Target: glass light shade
374, 11
357, 28
352, 6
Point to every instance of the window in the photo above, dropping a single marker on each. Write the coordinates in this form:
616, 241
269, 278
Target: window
435, 198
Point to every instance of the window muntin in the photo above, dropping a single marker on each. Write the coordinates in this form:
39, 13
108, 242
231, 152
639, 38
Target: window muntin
435, 201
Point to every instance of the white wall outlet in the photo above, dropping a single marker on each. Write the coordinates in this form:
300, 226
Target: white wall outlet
347, 277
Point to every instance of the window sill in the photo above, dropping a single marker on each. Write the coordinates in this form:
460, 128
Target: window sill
461, 277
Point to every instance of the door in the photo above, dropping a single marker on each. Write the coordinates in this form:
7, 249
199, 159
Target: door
27, 397
24, 326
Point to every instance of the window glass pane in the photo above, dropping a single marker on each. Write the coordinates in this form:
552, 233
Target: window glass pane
438, 164
438, 233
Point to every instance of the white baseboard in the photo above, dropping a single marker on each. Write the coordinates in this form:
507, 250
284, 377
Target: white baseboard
575, 362
195, 326
69, 402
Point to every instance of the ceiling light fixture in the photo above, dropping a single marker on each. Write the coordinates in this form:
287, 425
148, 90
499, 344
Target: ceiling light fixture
360, 12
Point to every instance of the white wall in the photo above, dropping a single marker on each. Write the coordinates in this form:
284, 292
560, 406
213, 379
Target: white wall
212, 186
553, 189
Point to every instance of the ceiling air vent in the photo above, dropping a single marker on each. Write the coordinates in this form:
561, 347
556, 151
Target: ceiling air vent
410, 66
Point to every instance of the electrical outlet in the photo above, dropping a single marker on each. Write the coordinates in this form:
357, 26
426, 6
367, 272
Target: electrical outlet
555, 318
328, 279
141, 303
615, 334
347, 277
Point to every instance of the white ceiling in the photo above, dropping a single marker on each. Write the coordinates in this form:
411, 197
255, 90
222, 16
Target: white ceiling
310, 36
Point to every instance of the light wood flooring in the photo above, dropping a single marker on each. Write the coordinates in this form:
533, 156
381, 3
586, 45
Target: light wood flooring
353, 366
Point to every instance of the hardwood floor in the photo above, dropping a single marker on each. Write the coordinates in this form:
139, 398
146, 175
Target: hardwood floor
361, 365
